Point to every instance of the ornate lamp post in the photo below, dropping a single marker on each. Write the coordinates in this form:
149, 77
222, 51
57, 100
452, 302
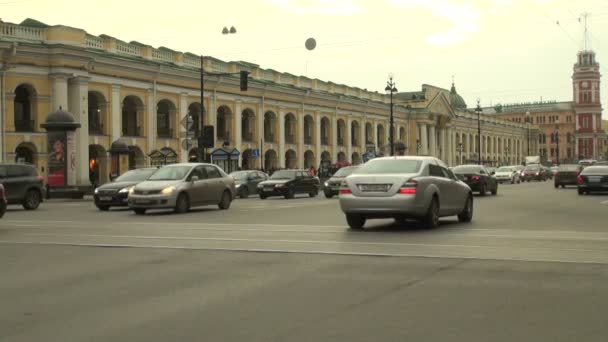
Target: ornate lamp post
391, 89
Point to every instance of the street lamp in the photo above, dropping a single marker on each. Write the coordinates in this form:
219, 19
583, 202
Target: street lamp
528, 127
390, 88
418, 146
478, 111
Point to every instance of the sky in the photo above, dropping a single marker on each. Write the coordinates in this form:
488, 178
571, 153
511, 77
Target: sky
497, 51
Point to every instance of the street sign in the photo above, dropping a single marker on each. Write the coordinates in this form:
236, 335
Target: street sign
187, 123
187, 144
255, 153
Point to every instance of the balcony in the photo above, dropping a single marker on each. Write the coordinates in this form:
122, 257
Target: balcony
324, 140
24, 126
308, 140
131, 131
269, 138
341, 141
223, 136
95, 128
290, 139
354, 142
247, 136
165, 132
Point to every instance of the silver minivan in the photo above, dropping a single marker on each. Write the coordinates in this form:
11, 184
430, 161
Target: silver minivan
182, 186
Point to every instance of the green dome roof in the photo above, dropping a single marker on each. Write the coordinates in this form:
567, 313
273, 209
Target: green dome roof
457, 100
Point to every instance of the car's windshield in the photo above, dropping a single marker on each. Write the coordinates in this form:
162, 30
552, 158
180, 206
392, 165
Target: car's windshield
505, 169
384, 166
595, 170
170, 173
284, 175
240, 175
344, 172
569, 168
467, 169
532, 168
136, 175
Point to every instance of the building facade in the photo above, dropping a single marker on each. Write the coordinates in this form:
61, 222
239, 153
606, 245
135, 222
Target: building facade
150, 100
568, 131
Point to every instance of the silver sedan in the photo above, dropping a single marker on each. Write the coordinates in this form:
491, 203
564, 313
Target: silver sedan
181, 186
421, 188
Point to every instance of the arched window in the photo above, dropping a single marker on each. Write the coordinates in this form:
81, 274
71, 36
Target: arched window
24, 116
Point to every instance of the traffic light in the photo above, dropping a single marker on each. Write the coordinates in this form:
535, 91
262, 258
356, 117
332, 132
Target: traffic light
244, 75
207, 137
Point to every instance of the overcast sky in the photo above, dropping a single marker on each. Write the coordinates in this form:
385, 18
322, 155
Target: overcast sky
501, 51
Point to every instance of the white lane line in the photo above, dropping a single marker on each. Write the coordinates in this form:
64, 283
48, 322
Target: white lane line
320, 252
605, 202
321, 242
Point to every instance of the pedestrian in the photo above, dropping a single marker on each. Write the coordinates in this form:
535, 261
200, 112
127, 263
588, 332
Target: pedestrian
312, 172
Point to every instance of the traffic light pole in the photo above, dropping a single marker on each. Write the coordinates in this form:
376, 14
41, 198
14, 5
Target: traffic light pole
202, 155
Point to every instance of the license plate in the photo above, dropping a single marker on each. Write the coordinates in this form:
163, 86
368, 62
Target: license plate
144, 202
595, 179
105, 199
373, 187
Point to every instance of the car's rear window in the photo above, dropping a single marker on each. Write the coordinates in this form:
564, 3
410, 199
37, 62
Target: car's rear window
384, 166
568, 168
595, 170
532, 168
467, 169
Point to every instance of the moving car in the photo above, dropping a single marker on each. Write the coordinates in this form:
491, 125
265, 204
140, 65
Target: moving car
2, 201
288, 183
533, 172
246, 182
116, 193
507, 174
182, 186
547, 171
478, 178
408, 187
22, 185
566, 175
332, 185
593, 179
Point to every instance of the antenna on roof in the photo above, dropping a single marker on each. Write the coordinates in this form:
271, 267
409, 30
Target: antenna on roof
586, 36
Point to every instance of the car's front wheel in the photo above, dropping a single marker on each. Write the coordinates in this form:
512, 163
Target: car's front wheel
225, 202
467, 213
328, 194
355, 221
263, 196
182, 204
290, 193
244, 192
139, 211
103, 207
32, 200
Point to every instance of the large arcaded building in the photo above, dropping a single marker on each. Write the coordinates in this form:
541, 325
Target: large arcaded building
143, 97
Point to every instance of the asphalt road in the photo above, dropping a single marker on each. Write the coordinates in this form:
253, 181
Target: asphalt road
532, 266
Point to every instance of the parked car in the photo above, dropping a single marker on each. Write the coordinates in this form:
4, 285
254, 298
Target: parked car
22, 185
246, 182
2, 201
116, 193
593, 179
507, 174
288, 183
547, 171
182, 186
533, 172
478, 178
566, 175
332, 185
408, 187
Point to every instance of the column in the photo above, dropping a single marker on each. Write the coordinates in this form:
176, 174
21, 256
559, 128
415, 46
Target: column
348, 137
116, 116
423, 140
318, 138
300, 137
151, 116
387, 134
281, 153
449, 147
182, 132
433, 141
78, 94
334, 137
260, 122
362, 137
237, 130
375, 136
59, 92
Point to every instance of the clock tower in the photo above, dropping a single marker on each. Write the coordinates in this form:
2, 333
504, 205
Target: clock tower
589, 136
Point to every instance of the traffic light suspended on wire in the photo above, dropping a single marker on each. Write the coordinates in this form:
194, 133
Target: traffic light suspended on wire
244, 76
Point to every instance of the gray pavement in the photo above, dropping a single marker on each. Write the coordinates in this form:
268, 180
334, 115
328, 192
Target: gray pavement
532, 266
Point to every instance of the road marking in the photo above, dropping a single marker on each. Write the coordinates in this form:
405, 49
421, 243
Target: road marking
605, 202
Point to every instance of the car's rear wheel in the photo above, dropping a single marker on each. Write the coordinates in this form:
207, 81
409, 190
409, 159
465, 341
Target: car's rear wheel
245, 192
467, 213
355, 221
556, 185
495, 191
581, 192
2, 209
32, 199
313, 193
328, 194
262, 196
182, 204
563, 186
290, 193
139, 211
226, 200
483, 190
103, 207
431, 219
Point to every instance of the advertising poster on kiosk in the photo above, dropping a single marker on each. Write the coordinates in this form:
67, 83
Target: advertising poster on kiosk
57, 159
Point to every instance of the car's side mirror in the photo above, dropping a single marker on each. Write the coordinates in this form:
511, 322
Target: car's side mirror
493, 173
194, 179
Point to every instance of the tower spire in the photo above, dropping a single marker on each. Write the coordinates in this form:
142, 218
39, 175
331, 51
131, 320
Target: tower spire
586, 34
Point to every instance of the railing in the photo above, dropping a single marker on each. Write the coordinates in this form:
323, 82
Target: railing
218, 67
131, 131
290, 139
24, 126
247, 136
354, 142
224, 136
162, 55
341, 141
94, 42
128, 49
192, 61
324, 140
308, 140
22, 32
164, 132
95, 128
269, 138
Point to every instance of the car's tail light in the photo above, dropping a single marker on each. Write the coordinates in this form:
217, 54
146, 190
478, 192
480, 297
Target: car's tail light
409, 187
476, 178
345, 191
579, 179
556, 174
